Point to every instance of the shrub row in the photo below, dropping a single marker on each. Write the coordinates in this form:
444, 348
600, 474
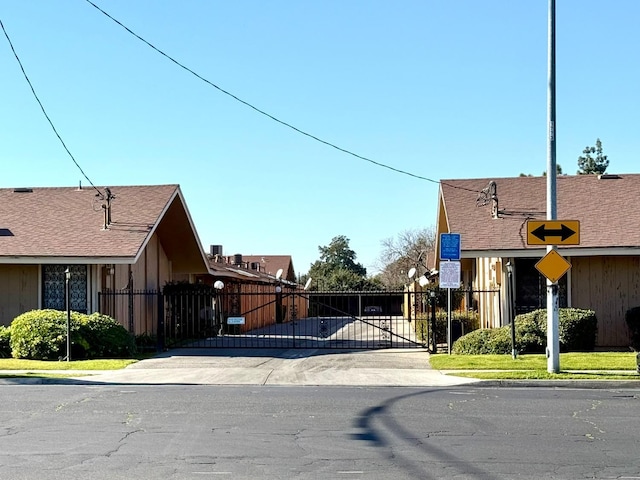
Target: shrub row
5, 337
42, 335
577, 330
465, 321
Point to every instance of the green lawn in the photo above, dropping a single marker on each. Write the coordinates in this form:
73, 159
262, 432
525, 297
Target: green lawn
596, 365
101, 364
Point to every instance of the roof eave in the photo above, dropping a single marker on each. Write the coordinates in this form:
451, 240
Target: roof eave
54, 260
565, 251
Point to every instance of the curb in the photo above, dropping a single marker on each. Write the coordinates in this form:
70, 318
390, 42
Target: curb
577, 384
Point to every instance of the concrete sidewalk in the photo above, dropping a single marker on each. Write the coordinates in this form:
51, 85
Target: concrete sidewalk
310, 367
394, 367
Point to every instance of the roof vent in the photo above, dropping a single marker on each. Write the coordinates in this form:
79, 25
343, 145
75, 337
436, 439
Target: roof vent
22, 190
607, 176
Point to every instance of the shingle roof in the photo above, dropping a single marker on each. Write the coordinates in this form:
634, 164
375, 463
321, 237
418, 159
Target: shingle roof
272, 263
608, 209
68, 222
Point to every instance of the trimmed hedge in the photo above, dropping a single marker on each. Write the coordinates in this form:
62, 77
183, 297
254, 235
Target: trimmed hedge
468, 322
577, 330
106, 338
5, 338
42, 335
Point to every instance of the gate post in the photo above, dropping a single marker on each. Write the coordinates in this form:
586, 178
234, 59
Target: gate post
433, 322
130, 295
160, 332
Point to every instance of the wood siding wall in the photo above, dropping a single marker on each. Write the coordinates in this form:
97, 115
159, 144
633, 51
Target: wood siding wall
489, 276
609, 286
151, 272
18, 291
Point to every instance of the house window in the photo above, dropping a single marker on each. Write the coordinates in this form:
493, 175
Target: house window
531, 287
53, 287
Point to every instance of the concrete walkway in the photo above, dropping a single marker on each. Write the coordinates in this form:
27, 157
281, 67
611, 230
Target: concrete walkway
393, 367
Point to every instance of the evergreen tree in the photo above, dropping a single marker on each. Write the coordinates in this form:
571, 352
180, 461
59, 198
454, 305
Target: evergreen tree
588, 164
337, 269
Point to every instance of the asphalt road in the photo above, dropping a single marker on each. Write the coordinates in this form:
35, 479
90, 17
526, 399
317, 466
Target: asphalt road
314, 432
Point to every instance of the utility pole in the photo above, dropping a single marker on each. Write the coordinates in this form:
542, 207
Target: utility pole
553, 342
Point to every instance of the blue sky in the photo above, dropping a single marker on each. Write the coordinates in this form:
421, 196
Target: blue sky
443, 90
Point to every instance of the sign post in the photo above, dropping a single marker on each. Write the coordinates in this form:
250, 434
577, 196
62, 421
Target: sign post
553, 266
449, 272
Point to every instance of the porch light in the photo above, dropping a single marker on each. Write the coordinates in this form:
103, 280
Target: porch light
217, 307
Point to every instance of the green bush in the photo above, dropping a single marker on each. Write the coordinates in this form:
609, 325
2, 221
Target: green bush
577, 331
42, 335
632, 317
484, 341
105, 337
182, 287
146, 342
531, 334
5, 338
469, 322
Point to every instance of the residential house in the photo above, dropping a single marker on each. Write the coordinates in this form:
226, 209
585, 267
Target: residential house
253, 289
491, 216
119, 239
269, 264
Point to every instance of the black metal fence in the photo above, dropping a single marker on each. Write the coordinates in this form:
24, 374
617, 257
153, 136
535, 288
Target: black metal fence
276, 318
286, 317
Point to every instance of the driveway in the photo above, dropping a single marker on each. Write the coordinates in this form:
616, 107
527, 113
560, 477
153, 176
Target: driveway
391, 367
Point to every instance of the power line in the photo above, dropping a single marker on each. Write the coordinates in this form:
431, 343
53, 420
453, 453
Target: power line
44, 111
268, 115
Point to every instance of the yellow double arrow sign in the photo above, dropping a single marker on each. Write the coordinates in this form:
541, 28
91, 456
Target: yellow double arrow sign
553, 232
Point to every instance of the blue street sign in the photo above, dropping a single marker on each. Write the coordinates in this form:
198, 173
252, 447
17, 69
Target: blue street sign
449, 246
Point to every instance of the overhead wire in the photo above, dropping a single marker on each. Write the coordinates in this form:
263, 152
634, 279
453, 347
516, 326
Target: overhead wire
33, 91
262, 112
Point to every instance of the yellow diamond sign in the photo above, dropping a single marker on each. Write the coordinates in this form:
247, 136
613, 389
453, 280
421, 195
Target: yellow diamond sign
553, 266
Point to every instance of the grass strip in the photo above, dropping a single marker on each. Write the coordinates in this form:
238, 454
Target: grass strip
568, 361
99, 364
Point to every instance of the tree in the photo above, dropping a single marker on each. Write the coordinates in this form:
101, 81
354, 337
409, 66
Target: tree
558, 170
338, 255
337, 268
409, 249
587, 164
544, 174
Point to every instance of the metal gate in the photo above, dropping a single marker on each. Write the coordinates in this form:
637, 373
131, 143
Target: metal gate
291, 318
273, 316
